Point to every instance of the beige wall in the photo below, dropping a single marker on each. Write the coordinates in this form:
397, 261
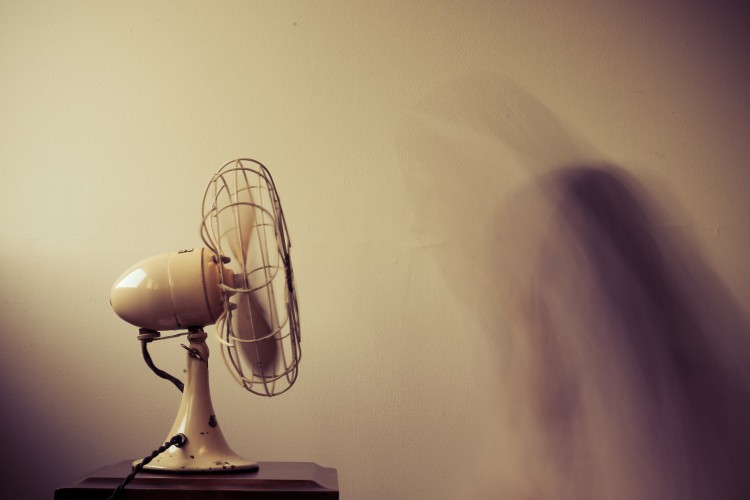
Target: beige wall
408, 141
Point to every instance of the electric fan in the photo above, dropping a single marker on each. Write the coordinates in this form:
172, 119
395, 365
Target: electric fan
242, 282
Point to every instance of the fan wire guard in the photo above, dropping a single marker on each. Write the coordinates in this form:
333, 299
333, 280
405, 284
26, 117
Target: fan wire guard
259, 328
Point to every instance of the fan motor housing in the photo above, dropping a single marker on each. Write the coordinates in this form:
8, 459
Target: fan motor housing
171, 291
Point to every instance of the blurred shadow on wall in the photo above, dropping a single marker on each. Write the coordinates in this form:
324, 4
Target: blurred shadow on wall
631, 351
621, 356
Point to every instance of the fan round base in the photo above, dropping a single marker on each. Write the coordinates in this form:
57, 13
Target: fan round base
183, 462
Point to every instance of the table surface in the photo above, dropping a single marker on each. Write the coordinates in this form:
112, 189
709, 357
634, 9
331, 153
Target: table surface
272, 480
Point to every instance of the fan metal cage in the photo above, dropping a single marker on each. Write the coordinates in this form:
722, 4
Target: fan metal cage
244, 225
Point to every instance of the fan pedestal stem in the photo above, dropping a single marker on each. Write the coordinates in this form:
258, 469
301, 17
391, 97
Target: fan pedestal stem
206, 450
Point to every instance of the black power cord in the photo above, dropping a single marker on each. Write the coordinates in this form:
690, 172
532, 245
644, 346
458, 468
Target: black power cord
146, 336
177, 440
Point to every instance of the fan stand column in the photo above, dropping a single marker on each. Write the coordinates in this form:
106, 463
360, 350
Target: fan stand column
205, 450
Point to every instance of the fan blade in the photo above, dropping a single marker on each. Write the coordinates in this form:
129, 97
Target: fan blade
252, 241
257, 343
240, 229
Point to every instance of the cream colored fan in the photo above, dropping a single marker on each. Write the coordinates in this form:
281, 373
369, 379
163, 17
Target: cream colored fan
242, 281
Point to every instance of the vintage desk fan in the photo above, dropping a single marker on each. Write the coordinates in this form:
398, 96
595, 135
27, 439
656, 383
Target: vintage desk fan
242, 282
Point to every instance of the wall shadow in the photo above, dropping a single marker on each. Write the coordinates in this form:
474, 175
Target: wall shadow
620, 358
632, 353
